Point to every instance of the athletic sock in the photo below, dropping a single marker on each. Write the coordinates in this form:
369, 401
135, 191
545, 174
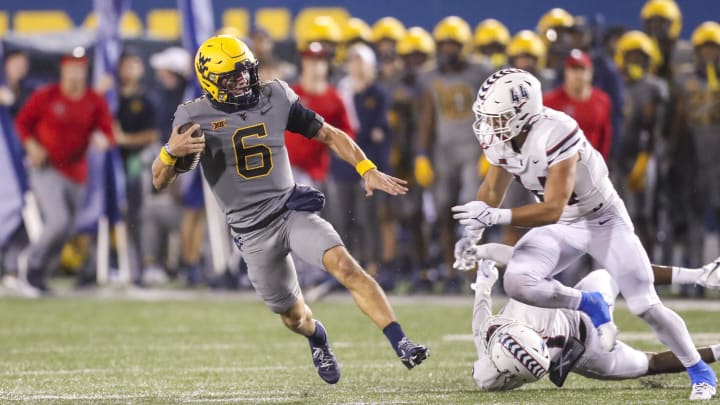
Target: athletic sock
318, 338
395, 334
700, 372
683, 275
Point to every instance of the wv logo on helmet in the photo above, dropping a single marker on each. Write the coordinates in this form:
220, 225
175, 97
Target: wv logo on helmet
202, 63
519, 96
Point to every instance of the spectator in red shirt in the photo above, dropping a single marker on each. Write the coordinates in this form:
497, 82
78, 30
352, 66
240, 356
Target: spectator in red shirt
309, 158
55, 127
588, 105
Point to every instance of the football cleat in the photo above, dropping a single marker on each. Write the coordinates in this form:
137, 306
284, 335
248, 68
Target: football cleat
702, 392
710, 277
595, 306
703, 381
325, 362
411, 354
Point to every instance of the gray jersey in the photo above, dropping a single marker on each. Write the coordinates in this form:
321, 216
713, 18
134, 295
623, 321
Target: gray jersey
643, 109
453, 95
702, 121
245, 160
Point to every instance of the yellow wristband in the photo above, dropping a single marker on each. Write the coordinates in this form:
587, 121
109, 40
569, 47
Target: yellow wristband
364, 166
166, 158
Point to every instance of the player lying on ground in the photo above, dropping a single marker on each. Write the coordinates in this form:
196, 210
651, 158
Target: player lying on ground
578, 212
523, 343
245, 162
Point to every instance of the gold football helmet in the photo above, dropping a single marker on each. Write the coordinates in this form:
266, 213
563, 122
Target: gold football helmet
416, 40
227, 71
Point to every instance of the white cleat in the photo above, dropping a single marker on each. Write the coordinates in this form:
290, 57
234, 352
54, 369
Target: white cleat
20, 287
702, 392
710, 277
607, 333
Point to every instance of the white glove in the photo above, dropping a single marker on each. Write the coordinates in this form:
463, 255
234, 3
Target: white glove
487, 274
487, 271
477, 215
465, 257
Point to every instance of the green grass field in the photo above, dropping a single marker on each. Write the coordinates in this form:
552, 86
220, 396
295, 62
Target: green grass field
85, 350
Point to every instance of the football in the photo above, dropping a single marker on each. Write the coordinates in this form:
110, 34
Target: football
189, 162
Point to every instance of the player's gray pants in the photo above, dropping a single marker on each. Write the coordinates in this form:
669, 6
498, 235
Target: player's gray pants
59, 199
267, 254
159, 218
456, 175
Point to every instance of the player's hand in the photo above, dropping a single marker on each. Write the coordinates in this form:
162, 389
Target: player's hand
183, 144
377, 180
36, 154
477, 215
465, 251
424, 174
487, 271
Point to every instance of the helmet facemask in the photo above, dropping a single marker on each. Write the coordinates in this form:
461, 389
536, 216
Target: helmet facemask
240, 87
493, 129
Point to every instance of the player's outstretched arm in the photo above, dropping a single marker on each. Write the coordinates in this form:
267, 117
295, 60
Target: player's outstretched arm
350, 152
667, 362
180, 144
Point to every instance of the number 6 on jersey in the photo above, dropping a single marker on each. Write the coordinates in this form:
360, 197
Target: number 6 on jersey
252, 161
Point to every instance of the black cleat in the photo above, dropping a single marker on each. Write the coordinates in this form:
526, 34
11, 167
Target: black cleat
325, 363
412, 354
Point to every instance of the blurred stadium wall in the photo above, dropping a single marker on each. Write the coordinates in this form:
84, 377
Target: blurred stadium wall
520, 14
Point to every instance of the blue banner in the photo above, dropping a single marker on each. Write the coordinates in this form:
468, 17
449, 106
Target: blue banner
14, 183
106, 176
197, 26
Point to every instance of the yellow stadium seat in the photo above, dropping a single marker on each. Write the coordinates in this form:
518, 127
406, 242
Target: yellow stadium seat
306, 16
130, 24
41, 21
3, 23
276, 21
237, 18
164, 23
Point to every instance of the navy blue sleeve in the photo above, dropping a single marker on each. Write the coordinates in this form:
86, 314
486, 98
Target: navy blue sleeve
303, 120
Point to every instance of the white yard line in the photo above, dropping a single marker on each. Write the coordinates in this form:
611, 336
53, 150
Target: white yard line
234, 369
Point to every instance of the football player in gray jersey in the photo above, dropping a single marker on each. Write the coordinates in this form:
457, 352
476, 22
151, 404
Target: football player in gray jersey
241, 123
446, 158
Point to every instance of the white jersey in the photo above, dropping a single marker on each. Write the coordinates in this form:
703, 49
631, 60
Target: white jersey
554, 137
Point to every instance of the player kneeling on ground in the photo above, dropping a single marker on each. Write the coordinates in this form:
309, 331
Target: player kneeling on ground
241, 147
523, 343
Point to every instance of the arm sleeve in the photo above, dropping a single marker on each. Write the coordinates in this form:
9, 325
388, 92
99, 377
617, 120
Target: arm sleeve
103, 119
28, 116
486, 376
304, 121
564, 141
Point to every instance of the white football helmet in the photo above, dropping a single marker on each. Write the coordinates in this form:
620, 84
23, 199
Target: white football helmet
519, 351
506, 102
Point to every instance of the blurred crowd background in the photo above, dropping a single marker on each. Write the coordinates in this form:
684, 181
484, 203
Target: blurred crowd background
640, 80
